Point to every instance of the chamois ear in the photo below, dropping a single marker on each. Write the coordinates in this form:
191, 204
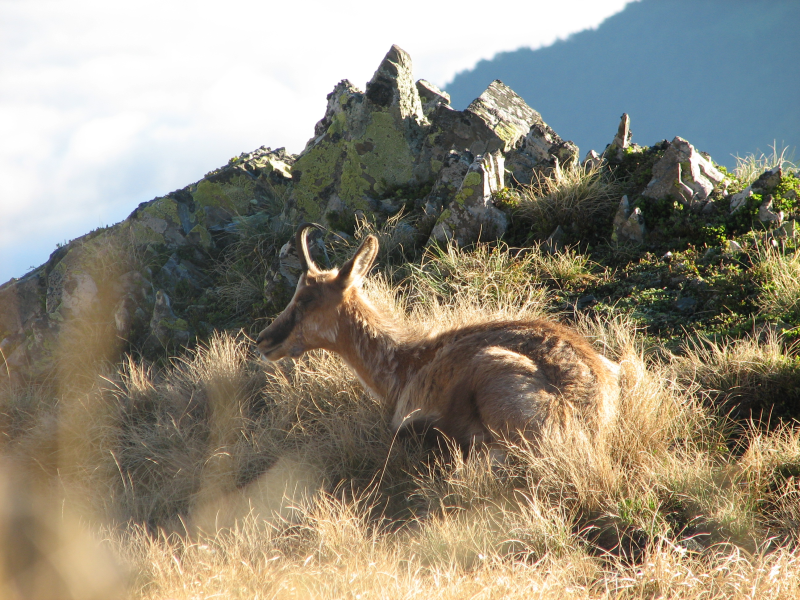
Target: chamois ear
354, 270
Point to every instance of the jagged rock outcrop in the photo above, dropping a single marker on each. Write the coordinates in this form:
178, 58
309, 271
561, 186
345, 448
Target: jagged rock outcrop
472, 215
628, 223
451, 174
765, 184
395, 145
116, 282
685, 175
498, 121
621, 142
502, 121
431, 96
365, 147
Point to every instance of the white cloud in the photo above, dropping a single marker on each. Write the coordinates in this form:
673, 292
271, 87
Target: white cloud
104, 105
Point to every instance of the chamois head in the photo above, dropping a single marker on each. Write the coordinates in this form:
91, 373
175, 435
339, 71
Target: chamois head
311, 319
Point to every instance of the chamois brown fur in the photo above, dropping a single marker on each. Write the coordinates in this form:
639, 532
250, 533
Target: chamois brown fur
476, 383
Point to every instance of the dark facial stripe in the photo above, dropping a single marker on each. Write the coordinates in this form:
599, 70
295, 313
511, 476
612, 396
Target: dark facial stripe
280, 329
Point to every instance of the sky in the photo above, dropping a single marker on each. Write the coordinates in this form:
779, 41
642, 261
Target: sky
104, 105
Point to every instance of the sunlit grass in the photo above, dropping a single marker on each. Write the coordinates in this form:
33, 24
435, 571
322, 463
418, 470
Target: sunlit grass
582, 193
780, 288
217, 474
752, 166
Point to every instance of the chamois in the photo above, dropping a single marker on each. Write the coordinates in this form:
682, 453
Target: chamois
475, 384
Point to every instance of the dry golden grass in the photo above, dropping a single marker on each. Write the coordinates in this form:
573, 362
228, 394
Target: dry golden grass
751, 166
342, 562
582, 193
222, 476
752, 374
780, 293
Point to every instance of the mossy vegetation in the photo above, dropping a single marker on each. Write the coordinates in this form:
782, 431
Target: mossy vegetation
686, 280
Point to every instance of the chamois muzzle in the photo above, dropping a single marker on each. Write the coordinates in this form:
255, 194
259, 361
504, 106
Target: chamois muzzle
270, 342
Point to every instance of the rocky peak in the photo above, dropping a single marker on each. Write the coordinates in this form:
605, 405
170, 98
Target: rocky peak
431, 96
507, 115
392, 86
366, 146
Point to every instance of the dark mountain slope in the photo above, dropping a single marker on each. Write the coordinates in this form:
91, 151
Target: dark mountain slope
724, 74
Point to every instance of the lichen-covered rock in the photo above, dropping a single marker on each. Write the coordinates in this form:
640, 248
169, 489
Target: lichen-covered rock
628, 223
366, 145
431, 96
21, 300
100, 278
454, 168
503, 113
541, 150
592, 160
496, 120
503, 121
124, 314
177, 270
767, 215
165, 327
472, 215
765, 184
739, 200
34, 353
266, 164
158, 222
634, 229
623, 212
622, 141
768, 180
683, 174
787, 230
289, 263
289, 259
79, 293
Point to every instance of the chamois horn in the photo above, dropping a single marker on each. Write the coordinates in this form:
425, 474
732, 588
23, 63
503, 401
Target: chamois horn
301, 244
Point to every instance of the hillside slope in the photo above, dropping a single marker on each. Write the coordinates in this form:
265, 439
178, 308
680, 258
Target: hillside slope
724, 74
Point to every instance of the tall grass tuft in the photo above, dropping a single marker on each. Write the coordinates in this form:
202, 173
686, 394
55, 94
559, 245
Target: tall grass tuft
490, 280
755, 377
780, 288
751, 166
578, 194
